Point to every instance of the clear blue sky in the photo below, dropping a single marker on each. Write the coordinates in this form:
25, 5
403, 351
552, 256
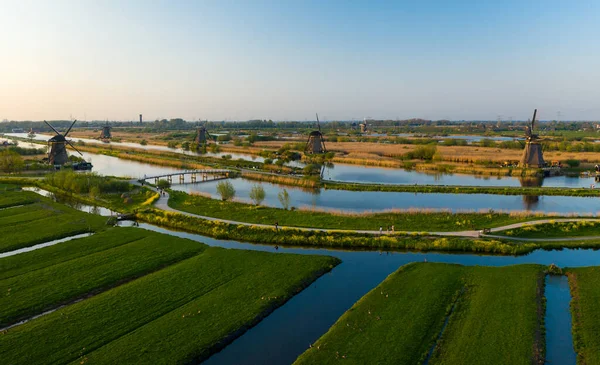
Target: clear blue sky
286, 60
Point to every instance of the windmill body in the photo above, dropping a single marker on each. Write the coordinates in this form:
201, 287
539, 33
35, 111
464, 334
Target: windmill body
201, 134
316, 141
105, 134
57, 146
532, 154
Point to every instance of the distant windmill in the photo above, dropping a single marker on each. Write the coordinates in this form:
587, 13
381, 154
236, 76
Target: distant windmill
105, 134
57, 146
532, 155
201, 134
316, 141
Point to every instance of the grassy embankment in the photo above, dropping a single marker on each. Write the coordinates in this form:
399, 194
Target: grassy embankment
118, 255
40, 220
495, 317
199, 305
421, 221
555, 230
585, 294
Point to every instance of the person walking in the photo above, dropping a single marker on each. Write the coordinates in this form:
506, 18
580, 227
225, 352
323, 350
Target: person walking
380, 229
276, 226
393, 228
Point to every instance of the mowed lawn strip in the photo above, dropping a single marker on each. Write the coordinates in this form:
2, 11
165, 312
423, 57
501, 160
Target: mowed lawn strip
37, 291
585, 294
497, 319
24, 214
402, 221
65, 251
61, 222
395, 323
12, 198
556, 229
72, 332
201, 327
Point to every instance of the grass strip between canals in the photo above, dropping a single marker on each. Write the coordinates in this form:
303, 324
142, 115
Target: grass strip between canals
37, 291
555, 229
199, 305
42, 221
496, 319
585, 293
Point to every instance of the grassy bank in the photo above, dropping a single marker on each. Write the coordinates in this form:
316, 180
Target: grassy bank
585, 294
495, 317
199, 305
41, 221
555, 229
401, 220
37, 291
333, 239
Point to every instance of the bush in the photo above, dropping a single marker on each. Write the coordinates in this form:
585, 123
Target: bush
572, 163
163, 184
85, 183
226, 190
172, 144
284, 199
11, 161
257, 194
143, 142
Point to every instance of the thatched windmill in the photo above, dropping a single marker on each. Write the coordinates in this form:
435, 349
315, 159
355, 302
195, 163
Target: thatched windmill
316, 141
105, 134
532, 155
201, 134
57, 146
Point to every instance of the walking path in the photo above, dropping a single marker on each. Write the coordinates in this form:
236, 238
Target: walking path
162, 203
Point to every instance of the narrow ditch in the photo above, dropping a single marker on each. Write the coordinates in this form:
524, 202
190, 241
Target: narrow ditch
559, 339
42, 245
439, 336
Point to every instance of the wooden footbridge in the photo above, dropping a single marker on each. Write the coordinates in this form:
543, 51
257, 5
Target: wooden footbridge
205, 175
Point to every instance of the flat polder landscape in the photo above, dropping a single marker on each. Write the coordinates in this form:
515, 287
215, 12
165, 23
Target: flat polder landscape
276, 183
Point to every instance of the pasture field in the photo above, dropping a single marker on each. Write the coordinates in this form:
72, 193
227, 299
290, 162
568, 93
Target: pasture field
555, 229
181, 313
585, 294
494, 316
41, 220
402, 220
11, 198
36, 291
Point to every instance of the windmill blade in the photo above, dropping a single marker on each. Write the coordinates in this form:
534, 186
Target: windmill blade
70, 144
208, 134
68, 130
318, 123
54, 129
533, 120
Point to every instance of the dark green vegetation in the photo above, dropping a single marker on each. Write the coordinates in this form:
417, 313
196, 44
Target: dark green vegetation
556, 229
40, 220
585, 293
402, 221
181, 313
104, 260
449, 189
338, 239
495, 317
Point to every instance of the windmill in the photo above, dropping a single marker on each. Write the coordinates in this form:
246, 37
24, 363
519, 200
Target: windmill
532, 155
316, 141
57, 146
105, 134
201, 133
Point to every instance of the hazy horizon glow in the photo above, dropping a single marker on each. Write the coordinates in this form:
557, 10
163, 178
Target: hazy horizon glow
285, 60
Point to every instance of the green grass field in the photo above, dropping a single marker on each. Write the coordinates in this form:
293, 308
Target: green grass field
556, 229
495, 318
183, 312
11, 198
403, 221
40, 220
585, 293
39, 290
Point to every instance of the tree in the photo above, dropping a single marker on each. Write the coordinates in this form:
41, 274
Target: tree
10, 161
163, 184
257, 194
226, 190
284, 199
143, 142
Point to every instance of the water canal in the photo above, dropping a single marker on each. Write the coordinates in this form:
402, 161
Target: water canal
559, 339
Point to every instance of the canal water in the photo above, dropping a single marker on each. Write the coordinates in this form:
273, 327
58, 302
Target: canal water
282, 336
559, 339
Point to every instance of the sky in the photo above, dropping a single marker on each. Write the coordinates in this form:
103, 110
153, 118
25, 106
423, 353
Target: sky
287, 60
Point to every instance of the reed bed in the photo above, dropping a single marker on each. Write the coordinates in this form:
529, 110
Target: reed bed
282, 180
